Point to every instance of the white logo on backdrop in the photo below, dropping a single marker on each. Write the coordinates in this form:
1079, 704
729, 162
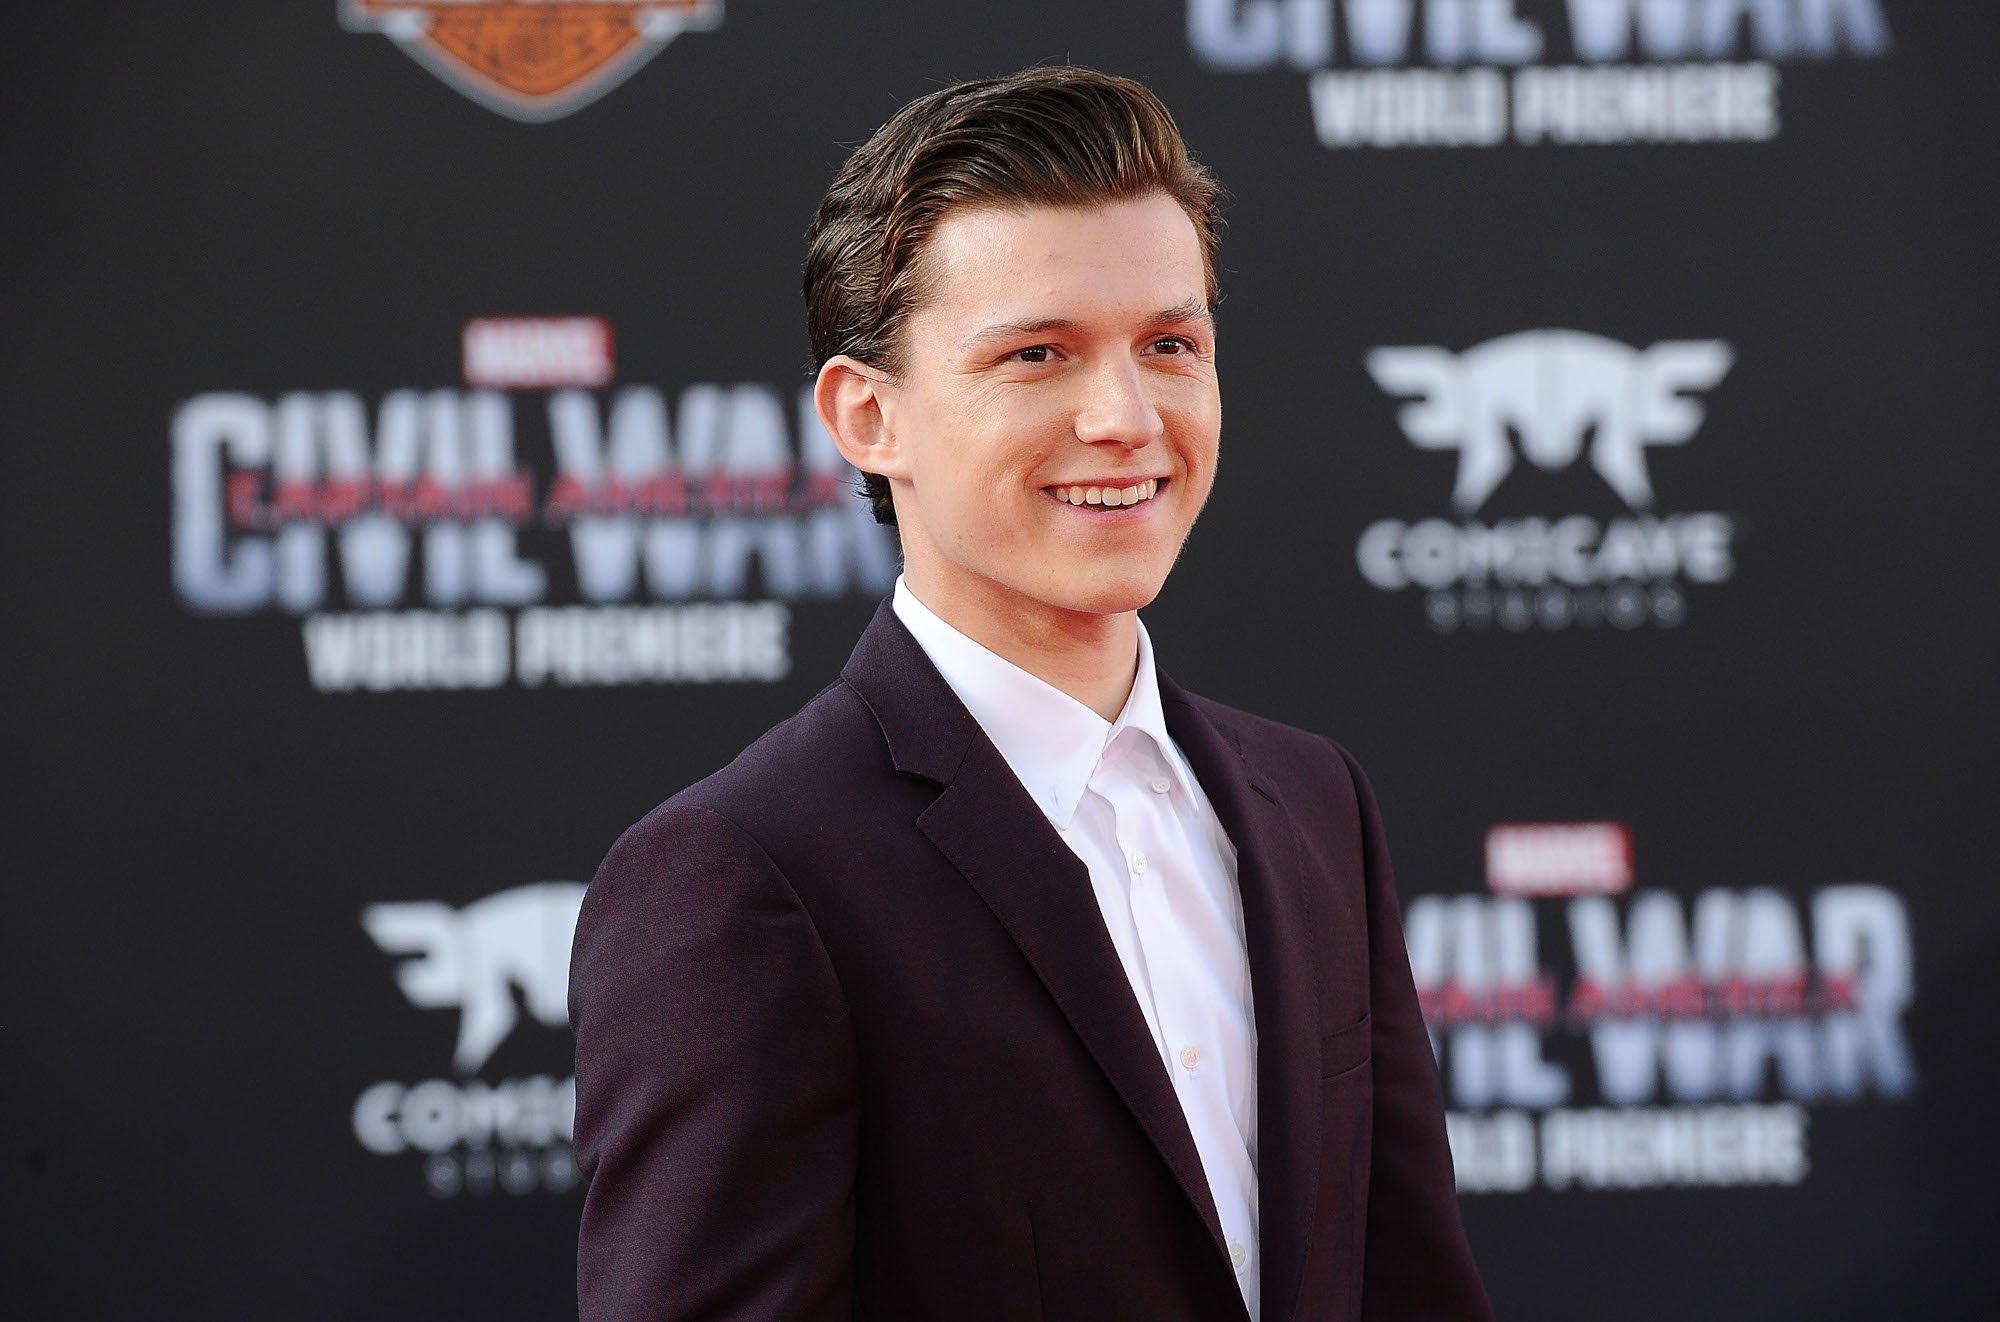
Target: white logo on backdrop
473, 957
1480, 73
1691, 1043
1554, 398
1554, 389
412, 532
480, 1135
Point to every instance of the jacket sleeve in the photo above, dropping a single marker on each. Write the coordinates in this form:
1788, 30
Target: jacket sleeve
716, 1104
1418, 1264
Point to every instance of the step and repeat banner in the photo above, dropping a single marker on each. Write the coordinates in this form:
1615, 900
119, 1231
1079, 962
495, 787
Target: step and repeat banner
414, 481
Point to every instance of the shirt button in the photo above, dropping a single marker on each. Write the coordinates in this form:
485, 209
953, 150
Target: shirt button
1239, 1254
1161, 784
1139, 862
1190, 1055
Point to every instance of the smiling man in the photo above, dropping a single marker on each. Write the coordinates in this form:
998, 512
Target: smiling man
1008, 979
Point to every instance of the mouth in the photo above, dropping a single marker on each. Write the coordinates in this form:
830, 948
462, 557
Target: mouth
1108, 497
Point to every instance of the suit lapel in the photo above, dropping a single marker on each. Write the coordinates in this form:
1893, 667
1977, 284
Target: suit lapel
990, 830
1278, 931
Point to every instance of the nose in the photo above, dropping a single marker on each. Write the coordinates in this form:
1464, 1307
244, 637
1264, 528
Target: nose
1116, 408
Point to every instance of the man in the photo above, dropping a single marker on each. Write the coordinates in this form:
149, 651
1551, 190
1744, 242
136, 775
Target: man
1007, 979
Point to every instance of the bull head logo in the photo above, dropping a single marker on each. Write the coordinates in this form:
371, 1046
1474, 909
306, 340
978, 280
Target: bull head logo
474, 957
1554, 389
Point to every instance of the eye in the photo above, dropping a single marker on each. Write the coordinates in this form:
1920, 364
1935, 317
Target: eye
1173, 344
1034, 353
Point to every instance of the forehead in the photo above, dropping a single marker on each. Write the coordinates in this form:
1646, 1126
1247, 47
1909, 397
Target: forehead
981, 261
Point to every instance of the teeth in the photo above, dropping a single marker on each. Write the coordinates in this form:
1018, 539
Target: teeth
1109, 496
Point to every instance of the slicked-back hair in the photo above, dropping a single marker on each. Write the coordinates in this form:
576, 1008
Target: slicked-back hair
1057, 136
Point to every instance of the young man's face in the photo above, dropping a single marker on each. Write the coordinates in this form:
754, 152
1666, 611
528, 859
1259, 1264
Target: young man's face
1057, 417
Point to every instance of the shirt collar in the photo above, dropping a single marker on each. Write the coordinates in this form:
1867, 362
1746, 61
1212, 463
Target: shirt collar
1051, 742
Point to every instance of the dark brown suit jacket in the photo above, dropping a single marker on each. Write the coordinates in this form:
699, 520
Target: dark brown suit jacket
852, 1041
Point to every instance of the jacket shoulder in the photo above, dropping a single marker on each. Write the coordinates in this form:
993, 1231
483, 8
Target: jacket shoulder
821, 764
1273, 744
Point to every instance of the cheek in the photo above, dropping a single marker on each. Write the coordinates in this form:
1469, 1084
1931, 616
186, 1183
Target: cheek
1199, 427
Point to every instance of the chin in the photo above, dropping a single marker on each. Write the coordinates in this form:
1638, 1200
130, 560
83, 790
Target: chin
1115, 596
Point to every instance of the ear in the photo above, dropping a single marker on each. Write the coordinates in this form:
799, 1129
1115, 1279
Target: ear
849, 397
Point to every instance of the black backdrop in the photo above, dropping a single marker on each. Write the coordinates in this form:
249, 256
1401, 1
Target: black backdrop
293, 857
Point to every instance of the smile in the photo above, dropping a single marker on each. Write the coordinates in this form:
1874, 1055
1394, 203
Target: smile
1110, 496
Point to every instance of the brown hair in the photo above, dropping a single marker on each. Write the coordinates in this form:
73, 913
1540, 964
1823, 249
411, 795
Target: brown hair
1059, 136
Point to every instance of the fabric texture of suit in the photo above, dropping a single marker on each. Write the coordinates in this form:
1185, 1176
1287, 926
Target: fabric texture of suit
853, 1041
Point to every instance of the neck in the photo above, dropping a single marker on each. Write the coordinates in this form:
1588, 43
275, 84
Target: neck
1092, 658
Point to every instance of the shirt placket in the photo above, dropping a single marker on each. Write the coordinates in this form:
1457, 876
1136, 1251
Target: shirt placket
1150, 838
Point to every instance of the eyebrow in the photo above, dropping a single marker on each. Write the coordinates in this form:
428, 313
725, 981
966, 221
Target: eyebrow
1191, 309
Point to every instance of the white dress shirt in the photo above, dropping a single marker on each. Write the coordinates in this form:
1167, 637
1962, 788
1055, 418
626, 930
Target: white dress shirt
1126, 802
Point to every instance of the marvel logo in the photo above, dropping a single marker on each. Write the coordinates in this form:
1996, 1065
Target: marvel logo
537, 353
1559, 858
